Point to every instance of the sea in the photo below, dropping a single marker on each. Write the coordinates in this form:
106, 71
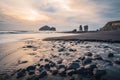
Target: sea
10, 36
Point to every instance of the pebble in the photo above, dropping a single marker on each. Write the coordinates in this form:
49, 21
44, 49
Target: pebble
88, 54
110, 55
74, 66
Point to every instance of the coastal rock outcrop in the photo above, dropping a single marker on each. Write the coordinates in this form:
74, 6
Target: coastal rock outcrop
47, 28
112, 25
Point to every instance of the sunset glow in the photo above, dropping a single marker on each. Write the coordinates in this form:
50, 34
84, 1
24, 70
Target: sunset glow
61, 13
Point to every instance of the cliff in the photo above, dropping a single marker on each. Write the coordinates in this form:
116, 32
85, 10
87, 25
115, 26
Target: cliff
112, 25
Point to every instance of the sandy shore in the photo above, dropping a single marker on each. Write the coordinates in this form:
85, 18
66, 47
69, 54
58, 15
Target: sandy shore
35, 59
101, 36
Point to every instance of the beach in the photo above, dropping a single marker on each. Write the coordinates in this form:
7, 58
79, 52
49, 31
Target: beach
60, 56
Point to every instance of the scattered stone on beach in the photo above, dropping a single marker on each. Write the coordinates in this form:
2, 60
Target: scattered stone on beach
33, 78
71, 72
74, 66
91, 66
29, 46
88, 54
43, 74
30, 68
54, 72
72, 50
61, 66
97, 57
82, 57
21, 73
46, 60
62, 74
22, 61
52, 64
61, 50
59, 61
47, 66
81, 70
110, 55
117, 61
87, 61
32, 53
99, 73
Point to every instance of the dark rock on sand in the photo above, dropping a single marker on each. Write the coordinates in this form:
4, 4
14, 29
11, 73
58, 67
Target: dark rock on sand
21, 73
110, 55
88, 54
31, 73
87, 61
47, 66
72, 72
82, 58
59, 61
61, 50
91, 66
61, 66
62, 74
74, 66
33, 78
117, 61
72, 50
47, 60
99, 73
52, 64
43, 74
81, 70
97, 57
30, 68
29, 46
54, 72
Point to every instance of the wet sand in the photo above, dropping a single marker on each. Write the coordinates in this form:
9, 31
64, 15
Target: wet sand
35, 59
100, 36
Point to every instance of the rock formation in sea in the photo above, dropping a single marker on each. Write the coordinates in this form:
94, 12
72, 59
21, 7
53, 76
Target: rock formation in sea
112, 25
47, 28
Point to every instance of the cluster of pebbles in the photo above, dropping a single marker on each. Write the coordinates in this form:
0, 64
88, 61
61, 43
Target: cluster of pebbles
66, 62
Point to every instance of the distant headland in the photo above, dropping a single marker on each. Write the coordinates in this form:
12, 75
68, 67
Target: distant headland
47, 28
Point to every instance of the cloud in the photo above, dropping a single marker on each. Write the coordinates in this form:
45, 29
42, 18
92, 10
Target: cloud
61, 13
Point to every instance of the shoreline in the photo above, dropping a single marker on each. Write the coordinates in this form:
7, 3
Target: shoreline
101, 36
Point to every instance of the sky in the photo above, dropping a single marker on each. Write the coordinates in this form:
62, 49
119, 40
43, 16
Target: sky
62, 14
